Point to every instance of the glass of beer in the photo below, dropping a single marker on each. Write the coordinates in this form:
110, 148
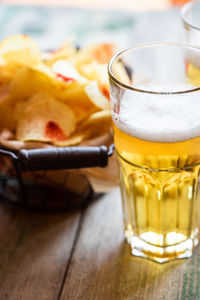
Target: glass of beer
155, 111
190, 14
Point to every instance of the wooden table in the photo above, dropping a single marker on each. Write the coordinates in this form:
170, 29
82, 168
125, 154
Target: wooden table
81, 254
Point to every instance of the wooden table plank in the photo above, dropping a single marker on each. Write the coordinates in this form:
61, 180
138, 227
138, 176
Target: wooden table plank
34, 252
103, 268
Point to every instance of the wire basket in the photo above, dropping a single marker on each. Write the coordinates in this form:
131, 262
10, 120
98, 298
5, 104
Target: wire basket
24, 181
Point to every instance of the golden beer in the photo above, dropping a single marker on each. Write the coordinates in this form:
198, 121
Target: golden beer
160, 193
193, 73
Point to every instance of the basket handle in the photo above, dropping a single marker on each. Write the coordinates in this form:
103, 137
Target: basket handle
58, 158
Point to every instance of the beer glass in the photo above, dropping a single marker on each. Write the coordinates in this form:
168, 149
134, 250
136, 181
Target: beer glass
190, 14
155, 111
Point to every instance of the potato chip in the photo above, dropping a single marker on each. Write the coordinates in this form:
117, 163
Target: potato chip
96, 96
20, 50
92, 61
61, 98
42, 118
71, 141
97, 118
97, 124
101, 53
82, 95
16, 52
29, 81
76, 97
6, 108
66, 70
7, 71
98, 72
67, 50
82, 98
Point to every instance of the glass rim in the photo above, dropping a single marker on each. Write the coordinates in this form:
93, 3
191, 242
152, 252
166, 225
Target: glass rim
148, 45
185, 9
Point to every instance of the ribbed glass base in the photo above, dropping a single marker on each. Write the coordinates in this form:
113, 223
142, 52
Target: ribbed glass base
141, 248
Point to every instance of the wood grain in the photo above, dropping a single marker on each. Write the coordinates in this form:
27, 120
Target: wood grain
102, 267
39, 258
34, 252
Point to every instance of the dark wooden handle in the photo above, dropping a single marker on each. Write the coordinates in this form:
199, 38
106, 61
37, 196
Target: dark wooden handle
63, 158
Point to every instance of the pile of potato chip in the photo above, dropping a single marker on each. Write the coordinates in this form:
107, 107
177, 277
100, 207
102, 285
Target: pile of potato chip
59, 97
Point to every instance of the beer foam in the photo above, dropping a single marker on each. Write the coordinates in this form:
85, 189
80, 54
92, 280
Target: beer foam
159, 118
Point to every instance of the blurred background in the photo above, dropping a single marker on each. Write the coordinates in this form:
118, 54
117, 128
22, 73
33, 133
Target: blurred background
125, 5
125, 23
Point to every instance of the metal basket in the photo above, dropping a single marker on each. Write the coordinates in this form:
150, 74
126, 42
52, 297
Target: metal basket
30, 192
